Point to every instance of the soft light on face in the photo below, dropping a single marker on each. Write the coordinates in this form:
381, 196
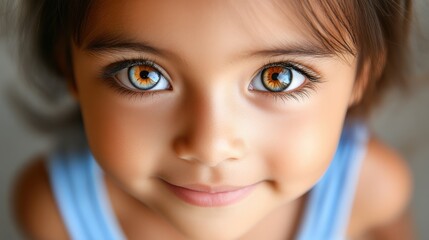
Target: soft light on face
209, 95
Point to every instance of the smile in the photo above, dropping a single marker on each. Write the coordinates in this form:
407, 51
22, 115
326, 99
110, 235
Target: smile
206, 196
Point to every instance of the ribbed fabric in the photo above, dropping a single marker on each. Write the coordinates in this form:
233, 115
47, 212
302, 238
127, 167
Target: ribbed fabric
80, 193
81, 196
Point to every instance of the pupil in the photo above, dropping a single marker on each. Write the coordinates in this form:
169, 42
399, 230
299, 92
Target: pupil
144, 74
275, 76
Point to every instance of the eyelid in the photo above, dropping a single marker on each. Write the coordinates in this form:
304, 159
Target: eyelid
114, 68
312, 79
309, 72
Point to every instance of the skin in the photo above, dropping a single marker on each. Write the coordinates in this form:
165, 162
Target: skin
212, 127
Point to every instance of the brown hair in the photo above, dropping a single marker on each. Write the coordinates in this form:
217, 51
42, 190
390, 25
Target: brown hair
376, 32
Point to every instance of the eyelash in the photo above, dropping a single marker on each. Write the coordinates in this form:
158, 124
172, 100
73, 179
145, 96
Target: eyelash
111, 70
303, 91
314, 78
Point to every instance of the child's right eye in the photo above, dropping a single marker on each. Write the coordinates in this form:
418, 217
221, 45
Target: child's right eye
143, 78
136, 77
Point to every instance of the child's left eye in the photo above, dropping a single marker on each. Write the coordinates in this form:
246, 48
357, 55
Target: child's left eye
142, 77
277, 78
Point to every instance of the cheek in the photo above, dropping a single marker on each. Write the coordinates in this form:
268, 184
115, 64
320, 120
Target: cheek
124, 135
302, 158
303, 141
115, 137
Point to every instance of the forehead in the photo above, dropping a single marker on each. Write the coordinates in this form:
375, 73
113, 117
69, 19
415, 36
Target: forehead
195, 20
210, 27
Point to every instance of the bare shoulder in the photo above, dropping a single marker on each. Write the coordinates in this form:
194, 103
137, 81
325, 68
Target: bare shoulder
34, 206
384, 189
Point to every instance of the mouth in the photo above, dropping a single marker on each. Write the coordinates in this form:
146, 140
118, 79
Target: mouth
210, 196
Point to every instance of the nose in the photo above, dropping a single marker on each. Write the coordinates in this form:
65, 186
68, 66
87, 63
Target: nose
211, 135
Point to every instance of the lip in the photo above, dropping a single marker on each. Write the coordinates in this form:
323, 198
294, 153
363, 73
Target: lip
210, 196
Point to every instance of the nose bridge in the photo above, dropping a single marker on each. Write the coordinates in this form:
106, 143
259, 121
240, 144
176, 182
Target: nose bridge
210, 136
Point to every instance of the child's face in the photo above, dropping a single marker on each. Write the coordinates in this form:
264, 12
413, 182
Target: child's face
210, 123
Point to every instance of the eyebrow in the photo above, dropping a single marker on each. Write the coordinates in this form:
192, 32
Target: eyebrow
115, 43
295, 49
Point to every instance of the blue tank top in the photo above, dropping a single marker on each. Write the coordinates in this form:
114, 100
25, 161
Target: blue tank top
79, 190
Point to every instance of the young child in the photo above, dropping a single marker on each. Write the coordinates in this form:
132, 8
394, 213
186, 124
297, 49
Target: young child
219, 120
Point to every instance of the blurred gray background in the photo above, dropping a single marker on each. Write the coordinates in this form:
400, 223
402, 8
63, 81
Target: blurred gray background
402, 121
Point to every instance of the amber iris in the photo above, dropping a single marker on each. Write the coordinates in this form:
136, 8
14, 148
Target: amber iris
277, 78
144, 77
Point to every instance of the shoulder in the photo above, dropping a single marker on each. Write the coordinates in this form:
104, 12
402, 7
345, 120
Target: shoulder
34, 205
384, 188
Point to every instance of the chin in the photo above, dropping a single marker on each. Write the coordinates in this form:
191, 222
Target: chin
218, 233
218, 223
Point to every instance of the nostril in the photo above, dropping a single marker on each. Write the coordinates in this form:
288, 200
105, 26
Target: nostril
236, 149
187, 157
209, 153
182, 151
